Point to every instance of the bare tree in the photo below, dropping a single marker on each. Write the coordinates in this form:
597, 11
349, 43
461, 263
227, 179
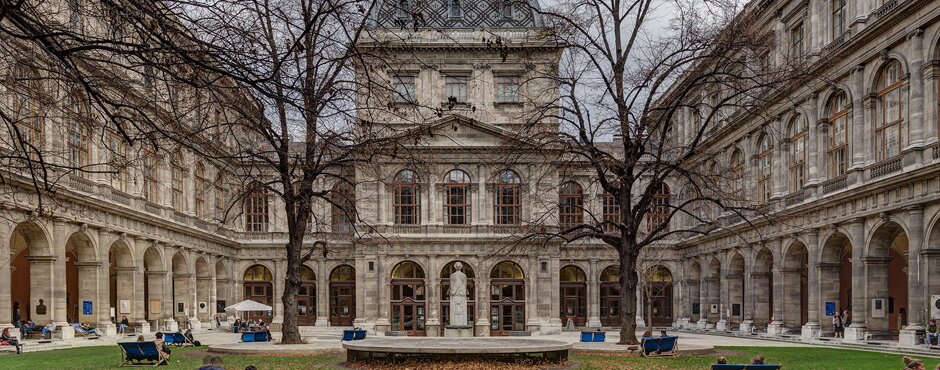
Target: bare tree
640, 101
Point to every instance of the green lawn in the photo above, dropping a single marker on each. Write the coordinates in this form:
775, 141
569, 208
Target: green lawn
191, 358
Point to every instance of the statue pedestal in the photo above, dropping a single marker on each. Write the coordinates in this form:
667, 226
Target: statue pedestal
458, 331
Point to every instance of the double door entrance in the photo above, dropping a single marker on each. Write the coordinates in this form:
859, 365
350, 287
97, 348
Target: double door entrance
342, 303
507, 306
307, 304
574, 303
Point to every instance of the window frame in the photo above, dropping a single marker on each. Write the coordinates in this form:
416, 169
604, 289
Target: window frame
457, 80
882, 126
507, 213
765, 169
177, 179
457, 213
836, 167
570, 204
505, 93
257, 210
610, 211
455, 9
403, 90
797, 145
199, 193
798, 39
399, 185
839, 12
658, 212
150, 171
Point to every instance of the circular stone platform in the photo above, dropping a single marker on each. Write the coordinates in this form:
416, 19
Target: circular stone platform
395, 349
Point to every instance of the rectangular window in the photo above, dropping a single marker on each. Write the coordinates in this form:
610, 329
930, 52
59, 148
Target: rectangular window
404, 89
457, 204
256, 212
118, 163
796, 40
507, 204
506, 9
611, 212
150, 189
507, 89
838, 140
838, 18
455, 10
455, 89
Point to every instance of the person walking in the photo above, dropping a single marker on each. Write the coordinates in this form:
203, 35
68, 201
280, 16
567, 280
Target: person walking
837, 325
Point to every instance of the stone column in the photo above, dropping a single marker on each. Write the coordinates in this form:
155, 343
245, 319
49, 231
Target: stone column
433, 324
915, 41
323, 295
56, 282
6, 262
381, 324
280, 273
812, 328
594, 300
917, 306
858, 129
814, 143
859, 315
703, 304
776, 322
482, 282
724, 298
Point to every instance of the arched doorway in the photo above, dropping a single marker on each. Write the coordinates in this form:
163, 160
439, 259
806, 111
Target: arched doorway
342, 295
657, 296
29, 247
445, 295
507, 299
307, 297
761, 290
795, 286
79, 257
713, 292
154, 288
887, 278
203, 289
259, 288
408, 298
181, 288
835, 275
121, 280
695, 292
610, 296
222, 289
736, 288
573, 295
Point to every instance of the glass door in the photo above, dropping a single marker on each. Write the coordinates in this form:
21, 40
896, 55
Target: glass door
342, 304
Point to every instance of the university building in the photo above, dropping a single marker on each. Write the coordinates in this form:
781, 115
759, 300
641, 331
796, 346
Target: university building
847, 169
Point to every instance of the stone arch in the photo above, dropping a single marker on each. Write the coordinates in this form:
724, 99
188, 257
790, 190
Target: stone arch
223, 292
886, 265
573, 297
121, 273
694, 290
875, 72
80, 278
446, 271
835, 274
203, 289
761, 289
258, 283
31, 256
155, 274
713, 291
408, 298
307, 296
508, 284
834, 89
657, 305
610, 295
795, 274
181, 286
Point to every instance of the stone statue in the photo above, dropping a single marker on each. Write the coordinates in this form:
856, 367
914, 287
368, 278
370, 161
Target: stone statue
458, 297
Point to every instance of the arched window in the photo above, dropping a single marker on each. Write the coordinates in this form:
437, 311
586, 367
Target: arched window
79, 137
343, 210
407, 205
797, 159
408, 270
764, 163
256, 209
889, 123
570, 205
837, 136
508, 188
199, 196
24, 85
151, 177
258, 273
658, 213
737, 169
118, 161
507, 270
611, 212
177, 173
220, 197
457, 198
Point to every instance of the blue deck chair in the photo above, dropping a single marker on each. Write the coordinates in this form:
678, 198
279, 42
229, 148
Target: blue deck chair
134, 353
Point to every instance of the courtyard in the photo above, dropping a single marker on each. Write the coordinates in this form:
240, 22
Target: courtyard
324, 351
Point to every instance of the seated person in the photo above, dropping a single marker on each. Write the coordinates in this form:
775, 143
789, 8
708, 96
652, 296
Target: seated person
647, 334
189, 337
122, 325
721, 360
26, 327
268, 331
84, 329
48, 329
164, 349
6, 338
757, 360
933, 333
211, 363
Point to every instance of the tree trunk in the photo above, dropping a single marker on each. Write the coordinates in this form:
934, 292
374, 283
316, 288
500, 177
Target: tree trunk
290, 333
628, 286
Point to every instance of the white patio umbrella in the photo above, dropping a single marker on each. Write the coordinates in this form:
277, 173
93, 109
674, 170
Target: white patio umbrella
248, 305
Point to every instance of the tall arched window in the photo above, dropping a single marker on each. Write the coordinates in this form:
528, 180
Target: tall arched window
764, 172
219, 197
889, 123
570, 205
79, 137
837, 136
118, 161
407, 205
610, 210
797, 158
343, 210
176, 179
24, 85
455, 10
658, 213
457, 198
199, 193
150, 189
256, 209
737, 169
508, 188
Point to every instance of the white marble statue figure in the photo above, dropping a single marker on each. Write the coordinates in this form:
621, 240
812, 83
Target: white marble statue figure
458, 297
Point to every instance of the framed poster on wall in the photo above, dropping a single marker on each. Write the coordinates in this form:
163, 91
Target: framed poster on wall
696, 308
155, 306
124, 307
